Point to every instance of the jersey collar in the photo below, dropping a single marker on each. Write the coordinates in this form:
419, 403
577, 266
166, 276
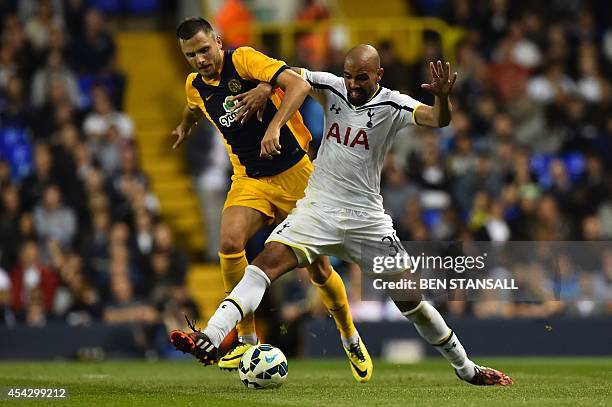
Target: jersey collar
378, 88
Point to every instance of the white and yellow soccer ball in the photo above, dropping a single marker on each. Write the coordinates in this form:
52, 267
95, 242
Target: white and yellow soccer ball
263, 367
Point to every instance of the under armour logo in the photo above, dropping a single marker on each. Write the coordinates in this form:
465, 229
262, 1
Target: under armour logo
334, 109
454, 345
286, 225
369, 123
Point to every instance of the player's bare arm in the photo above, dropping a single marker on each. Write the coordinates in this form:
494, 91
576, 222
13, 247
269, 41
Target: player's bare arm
441, 85
254, 100
182, 131
296, 89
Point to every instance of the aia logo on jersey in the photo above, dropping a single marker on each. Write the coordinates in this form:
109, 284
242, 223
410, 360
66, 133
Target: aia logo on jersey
348, 139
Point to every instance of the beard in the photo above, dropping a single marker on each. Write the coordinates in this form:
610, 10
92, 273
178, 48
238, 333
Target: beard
357, 97
210, 71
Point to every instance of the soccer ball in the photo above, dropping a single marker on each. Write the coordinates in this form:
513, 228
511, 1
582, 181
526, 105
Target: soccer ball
263, 367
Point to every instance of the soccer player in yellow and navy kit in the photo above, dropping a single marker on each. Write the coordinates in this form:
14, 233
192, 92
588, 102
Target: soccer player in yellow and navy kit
264, 186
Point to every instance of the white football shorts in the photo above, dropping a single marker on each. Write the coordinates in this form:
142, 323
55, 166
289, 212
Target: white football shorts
313, 230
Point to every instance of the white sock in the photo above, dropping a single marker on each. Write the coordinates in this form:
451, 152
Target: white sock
431, 326
250, 339
454, 352
347, 342
243, 299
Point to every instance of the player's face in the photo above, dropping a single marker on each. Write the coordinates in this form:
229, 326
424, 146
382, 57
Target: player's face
203, 52
361, 81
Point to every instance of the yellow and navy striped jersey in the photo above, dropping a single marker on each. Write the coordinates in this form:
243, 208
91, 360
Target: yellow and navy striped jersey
241, 70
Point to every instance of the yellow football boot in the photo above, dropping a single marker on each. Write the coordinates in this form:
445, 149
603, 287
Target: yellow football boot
232, 358
360, 361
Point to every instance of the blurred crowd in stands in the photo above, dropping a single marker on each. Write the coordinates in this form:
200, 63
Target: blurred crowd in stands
80, 234
526, 157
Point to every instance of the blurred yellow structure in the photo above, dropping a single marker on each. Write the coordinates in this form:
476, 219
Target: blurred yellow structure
405, 33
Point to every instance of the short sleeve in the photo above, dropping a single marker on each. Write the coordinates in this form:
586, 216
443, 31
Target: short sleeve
194, 101
321, 82
408, 106
254, 65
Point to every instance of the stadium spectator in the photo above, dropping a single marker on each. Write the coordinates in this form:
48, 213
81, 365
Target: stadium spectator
552, 84
94, 57
15, 39
76, 301
397, 73
211, 180
54, 69
429, 172
106, 148
395, 189
234, 21
104, 116
124, 307
602, 282
314, 43
95, 50
39, 25
74, 17
163, 246
53, 220
63, 149
129, 188
16, 110
143, 233
8, 67
9, 226
43, 175
7, 316
33, 285
299, 302
96, 247
5, 174
83, 162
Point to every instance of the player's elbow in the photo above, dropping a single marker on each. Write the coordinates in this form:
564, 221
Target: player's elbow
290, 80
304, 86
444, 123
440, 120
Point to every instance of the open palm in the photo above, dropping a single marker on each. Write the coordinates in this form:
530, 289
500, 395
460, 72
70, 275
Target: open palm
442, 81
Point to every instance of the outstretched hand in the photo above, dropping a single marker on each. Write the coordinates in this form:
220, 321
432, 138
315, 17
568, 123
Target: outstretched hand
180, 133
442, 81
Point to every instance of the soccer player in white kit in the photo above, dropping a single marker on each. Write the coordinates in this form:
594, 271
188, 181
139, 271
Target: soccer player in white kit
342, 208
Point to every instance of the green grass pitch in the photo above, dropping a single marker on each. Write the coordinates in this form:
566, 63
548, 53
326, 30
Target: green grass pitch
538, 382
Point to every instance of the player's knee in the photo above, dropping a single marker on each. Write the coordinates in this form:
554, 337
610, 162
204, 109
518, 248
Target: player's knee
275, 260
231, 243
320, 270
406, 306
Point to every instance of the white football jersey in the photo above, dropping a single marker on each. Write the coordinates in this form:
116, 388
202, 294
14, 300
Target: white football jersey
355, 141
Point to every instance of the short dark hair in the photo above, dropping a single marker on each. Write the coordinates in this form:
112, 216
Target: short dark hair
191, 26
